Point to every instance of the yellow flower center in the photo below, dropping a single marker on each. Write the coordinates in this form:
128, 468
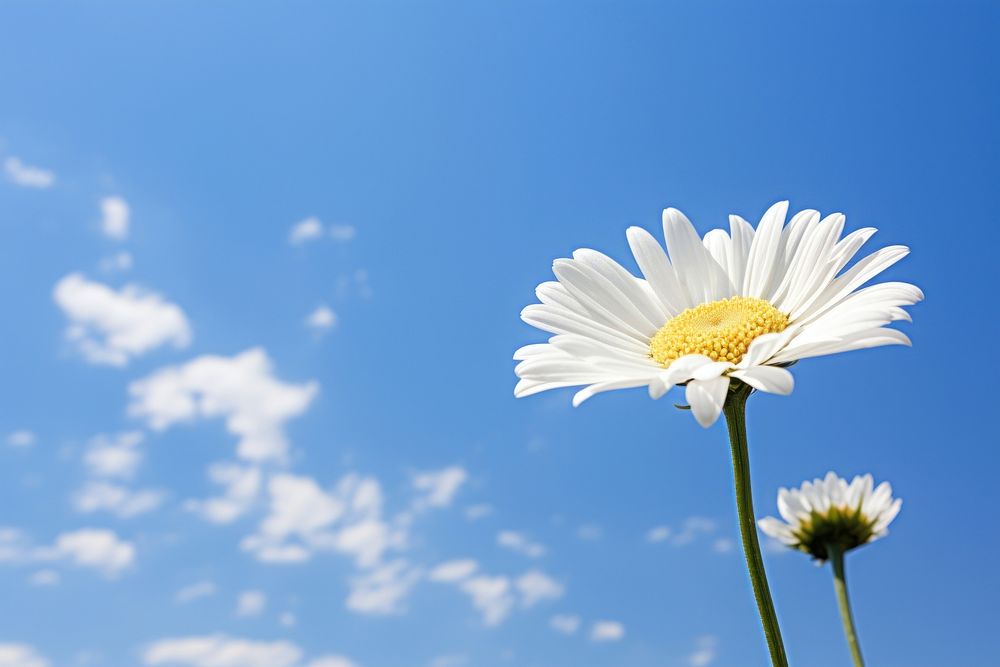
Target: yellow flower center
721, 330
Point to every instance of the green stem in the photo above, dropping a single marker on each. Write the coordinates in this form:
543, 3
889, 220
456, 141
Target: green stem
735, 411
836, 554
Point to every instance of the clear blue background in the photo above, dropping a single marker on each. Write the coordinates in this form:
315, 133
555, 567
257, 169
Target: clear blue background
470, 143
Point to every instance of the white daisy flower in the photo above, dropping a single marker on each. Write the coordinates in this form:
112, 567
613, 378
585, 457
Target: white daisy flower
730, 306
830, 513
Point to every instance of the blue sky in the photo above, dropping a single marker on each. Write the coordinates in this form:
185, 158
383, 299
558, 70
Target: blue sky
203, 470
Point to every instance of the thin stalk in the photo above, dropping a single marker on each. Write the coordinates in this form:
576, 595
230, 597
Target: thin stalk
836, 554
735, 411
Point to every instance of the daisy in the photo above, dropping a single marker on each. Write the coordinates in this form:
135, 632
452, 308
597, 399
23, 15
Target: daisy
722, 315
741, 305
828, 517
830, 512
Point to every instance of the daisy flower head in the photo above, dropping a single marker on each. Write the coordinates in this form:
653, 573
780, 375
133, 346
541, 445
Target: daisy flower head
732, 306
830, 514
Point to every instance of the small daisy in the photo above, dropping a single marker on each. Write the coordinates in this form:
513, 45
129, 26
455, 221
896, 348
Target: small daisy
828, 517
741, 305
830, 512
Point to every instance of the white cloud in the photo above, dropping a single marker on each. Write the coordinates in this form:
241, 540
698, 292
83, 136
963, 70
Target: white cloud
607, 631
589, 532
300, 512
322, 319
494, 596
44, 578
119, 500
195, 591
242, 484
342, 232
115, 215
693, 527
221, 651
332, 661
381, 591
453, 570
27, 176
491, 596
455, 660
251, 603
21, 655
309, 229
658, 534
520, 543
93, 548
120, 261
440, 486
477, 512
535, 586
303, 519
111, 327
114, 455
21, 439
565, 623
722, 545
14, 546
241, 389
356, 283
287, 619
704, 652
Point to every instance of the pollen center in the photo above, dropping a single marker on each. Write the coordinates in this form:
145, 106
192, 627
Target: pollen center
721, 330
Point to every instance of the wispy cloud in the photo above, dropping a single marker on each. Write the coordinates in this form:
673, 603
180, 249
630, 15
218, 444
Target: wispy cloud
219, 650
195, 591
118, 262
477, 512
117, 499
691, 529
115, 218
92, 548
312, 229
21, 655
520, 543
251, 603
566, 624
607, 631
453, 570
322, 319
704, 652
26, 176
21, 439
306, 230
439, 487
535, 586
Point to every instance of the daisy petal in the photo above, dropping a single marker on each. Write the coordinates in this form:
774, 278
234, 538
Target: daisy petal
706, 398
771, 379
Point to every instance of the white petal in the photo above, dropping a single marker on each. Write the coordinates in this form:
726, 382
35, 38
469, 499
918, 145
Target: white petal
595, 292
625, 283
706, 398
771, 379
683, 369
764, 252
697, 271
655, 266
593, 389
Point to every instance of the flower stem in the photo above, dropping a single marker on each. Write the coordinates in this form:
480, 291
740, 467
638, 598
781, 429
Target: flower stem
735, 411
836, 554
